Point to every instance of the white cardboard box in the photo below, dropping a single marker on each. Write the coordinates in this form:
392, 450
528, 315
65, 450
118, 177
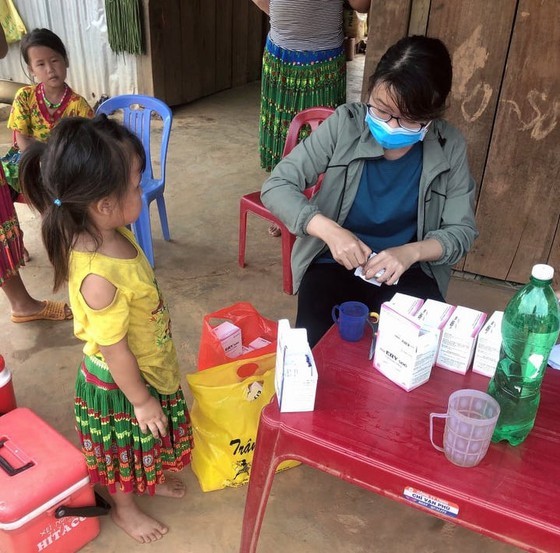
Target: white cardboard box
403, 303
230, 337
296, 374
487, 353
459, 338
257, 343
406, 348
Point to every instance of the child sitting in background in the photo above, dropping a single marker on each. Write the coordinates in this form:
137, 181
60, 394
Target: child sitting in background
130, 412
38, 108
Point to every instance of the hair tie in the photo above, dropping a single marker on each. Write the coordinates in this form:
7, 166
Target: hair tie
57, 202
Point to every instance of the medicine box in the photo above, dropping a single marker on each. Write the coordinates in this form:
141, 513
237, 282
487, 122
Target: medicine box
230, 338
403, 303
407, 345
488, 345
257, 343
459, 338
296, 373
42, 476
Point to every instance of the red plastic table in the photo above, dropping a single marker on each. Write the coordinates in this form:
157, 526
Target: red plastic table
370, 432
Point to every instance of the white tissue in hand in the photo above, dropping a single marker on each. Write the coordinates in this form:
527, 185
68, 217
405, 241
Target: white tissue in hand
359, 272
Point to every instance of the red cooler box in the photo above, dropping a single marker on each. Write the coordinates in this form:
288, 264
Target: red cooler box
42, 476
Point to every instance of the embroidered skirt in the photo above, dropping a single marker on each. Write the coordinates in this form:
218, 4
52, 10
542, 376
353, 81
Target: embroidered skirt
292, 81
11, 237
117, 452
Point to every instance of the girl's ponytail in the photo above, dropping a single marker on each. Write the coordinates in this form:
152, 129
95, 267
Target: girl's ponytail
57, 226
30, 176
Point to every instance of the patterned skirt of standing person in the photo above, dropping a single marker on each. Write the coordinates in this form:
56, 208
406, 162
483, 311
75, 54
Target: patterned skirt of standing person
118, 454
292, 81
11, 236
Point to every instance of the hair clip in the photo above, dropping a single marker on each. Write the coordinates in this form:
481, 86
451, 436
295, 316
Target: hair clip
57, 202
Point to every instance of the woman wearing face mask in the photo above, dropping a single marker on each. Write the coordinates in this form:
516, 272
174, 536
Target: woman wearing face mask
397, 184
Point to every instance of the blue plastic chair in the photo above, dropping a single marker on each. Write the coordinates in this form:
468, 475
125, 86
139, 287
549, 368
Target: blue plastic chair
137, 116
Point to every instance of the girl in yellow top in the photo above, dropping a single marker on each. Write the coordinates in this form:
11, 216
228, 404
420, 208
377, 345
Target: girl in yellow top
38, 108
130, 411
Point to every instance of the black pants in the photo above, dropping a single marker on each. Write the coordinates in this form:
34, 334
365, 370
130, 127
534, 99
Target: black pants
325, 285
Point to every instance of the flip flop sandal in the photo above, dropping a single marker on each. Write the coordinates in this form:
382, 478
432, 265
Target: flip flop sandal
52, 311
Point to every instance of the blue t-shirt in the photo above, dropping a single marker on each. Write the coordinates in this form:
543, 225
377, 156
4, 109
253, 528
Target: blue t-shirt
385, 211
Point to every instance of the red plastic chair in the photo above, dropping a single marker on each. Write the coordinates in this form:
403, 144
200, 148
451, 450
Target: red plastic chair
252, 202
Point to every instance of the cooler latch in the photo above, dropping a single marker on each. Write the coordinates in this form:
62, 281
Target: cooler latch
101, 508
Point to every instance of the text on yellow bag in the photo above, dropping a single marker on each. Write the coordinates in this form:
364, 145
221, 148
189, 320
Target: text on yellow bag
225, 417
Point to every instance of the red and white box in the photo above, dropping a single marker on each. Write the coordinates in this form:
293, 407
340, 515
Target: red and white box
408, 339
488, 346
42, 476
405, 304
230, 338
458, 339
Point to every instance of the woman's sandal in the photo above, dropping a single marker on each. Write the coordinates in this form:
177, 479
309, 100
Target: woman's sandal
52, 311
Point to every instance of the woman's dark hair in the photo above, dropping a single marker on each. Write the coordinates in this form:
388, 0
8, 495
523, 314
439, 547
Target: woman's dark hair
417, 72
83, 161
42, 37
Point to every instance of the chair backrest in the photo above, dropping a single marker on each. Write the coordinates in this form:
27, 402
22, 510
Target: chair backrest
312, 117
137, 116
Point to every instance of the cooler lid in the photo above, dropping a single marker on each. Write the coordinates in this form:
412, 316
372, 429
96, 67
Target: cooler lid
45, 463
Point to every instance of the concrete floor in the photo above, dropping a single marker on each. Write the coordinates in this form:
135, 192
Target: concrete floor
212, 161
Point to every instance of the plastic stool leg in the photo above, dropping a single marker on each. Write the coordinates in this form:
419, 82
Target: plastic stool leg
242, 234
163, 217
143, 232
287, 243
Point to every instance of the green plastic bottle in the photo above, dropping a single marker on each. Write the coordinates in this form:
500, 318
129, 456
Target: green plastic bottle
529, 331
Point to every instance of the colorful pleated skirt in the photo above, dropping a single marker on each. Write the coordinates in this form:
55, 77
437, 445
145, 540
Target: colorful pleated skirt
118, 454
11, 236
292, 81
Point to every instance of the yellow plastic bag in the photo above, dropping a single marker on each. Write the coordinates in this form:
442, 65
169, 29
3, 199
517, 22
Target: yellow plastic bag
225, 417
11, 22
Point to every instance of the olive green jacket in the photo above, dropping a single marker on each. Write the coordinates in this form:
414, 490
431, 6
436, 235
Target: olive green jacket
339, 148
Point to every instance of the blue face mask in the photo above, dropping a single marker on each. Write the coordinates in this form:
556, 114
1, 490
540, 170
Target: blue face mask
391, 138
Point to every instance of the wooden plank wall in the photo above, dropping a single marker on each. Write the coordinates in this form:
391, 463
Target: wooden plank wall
506, 100
519, 205
199, 47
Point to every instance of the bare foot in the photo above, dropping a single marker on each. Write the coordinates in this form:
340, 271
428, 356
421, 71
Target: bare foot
172, 487
137, 524
26, 256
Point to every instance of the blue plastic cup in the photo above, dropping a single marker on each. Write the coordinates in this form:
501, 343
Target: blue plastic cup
351, 317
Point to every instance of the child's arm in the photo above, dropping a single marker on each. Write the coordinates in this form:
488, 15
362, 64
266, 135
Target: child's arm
99, 294
126, 374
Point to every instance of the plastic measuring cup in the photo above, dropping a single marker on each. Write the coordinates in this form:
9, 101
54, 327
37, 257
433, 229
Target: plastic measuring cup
471, 418
350, 317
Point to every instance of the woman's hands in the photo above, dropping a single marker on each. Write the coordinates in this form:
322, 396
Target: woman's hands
395, 261
346, 248
392, 262
151, 417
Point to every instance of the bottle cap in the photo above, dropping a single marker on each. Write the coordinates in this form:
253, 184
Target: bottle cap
542, 272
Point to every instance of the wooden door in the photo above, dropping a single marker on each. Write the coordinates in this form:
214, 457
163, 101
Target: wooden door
199, 47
